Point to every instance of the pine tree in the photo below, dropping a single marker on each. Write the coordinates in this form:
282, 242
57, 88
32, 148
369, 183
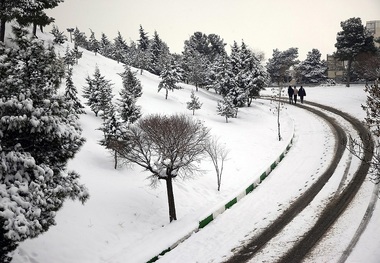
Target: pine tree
312, 69
112, 130
59, 37
93, 44
98, 92
280, 63
71, 94
132, 90
38, 135
105, 46
69, 58
170, 77
224, 78
120, 48
352, 41
226, 108
160, 54
194, 104
144, 40
76, 53
80, 39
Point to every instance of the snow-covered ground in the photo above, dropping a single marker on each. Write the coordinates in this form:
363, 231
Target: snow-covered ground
125, 220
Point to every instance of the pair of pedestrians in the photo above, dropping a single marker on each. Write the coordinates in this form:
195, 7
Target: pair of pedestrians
294, 93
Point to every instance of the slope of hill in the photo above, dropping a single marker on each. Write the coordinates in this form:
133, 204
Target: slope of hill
124, 212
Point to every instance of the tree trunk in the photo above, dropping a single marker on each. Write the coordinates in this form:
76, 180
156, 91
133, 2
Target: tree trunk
278, 115
115, 159
169, 189
166, 96
2, 30
35, 29
349, 63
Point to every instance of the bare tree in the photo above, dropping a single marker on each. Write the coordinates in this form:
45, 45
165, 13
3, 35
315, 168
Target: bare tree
218, 154
278, 105
166, 146
365, 145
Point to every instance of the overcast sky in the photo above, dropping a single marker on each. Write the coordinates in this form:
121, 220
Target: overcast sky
263, 24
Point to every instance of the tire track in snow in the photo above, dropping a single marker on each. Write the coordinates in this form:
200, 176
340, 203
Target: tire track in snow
335, 208
258, 242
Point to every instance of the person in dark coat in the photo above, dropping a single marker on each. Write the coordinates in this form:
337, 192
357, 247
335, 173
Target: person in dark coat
301, 93
290, 93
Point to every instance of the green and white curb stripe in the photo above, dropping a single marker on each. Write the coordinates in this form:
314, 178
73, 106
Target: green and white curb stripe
205, 221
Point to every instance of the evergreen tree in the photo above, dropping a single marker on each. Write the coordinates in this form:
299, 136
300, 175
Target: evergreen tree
143, 54
194, 104
93, 44
69, 58
76, 53
252, 76
26, 12
224, 77
120, 48
105, 46
98, 93
312, 69
38, 135
112, 130
59, 37
144, 40
280, 63
80, 39
352, 41
159, 54
226, 108
170, 77
71, 94
132, 90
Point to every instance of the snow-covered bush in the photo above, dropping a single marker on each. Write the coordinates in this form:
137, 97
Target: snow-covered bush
38, 134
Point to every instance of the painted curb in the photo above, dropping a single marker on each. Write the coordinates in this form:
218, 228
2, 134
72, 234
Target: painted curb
204, 222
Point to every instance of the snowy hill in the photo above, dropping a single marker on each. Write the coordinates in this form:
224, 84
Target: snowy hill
124, 212
125, 220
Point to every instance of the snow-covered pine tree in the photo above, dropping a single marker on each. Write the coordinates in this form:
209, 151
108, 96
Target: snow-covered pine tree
194, 103
59, 37
239, 92
76, 53
80, 39
71, 95
170, 77
280, 63
105, 46
132, 89
226, 108
112, 130
159, 54
38, 135
120, 48
69, 58
98, 92
312, 69
351, 41
93, 43
224, 78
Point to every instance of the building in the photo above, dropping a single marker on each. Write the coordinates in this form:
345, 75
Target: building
335, 69
373, 27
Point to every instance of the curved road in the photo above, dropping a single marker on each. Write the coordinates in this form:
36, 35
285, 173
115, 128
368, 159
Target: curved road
331, 212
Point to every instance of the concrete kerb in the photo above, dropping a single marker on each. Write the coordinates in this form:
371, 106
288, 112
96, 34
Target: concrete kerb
204, 222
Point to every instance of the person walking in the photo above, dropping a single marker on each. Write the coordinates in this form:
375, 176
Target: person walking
301, 93
290, 93
295, 93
